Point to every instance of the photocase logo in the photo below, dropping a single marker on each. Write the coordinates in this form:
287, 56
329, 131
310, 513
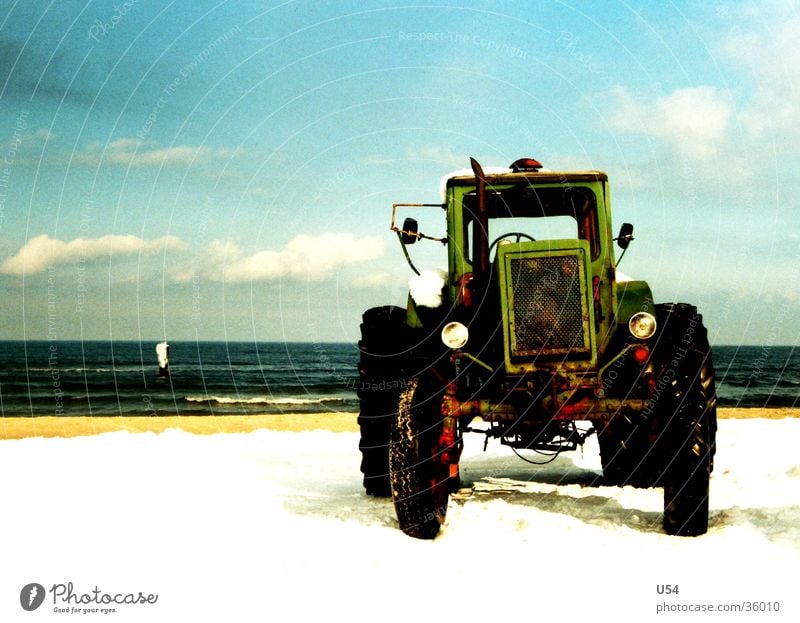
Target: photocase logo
31, 596
67, 600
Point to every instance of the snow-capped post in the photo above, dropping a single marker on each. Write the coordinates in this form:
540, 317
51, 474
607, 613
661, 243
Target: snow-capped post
162, 352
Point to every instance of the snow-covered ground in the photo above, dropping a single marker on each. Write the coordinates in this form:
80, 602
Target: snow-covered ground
273, 526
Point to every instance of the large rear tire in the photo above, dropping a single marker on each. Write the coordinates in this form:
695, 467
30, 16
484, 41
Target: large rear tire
420, 481
691, 430
381, 380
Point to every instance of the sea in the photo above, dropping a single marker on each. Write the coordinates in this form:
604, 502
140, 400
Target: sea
243, 378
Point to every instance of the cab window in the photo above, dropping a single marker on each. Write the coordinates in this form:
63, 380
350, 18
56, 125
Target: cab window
524, 212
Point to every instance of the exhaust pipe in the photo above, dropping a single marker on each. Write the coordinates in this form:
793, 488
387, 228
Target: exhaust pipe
480, 231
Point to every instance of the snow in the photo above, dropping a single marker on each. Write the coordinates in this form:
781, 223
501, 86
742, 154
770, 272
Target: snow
426, 287
274, 526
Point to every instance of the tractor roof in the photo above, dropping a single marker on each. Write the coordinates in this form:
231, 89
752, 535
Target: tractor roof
542, 176
503, 175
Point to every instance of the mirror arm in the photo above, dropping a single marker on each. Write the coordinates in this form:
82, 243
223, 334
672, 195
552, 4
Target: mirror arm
417, 235
405, 252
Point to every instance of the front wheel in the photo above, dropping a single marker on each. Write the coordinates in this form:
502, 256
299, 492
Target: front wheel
686, 487
688, 410
420, 480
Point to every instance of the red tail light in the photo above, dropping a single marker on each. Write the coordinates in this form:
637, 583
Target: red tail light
640, 354
465, 290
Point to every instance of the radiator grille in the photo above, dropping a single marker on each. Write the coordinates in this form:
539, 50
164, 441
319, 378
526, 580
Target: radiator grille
548, 309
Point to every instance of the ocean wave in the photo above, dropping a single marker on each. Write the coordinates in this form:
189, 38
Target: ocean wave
66, 370
265, 400
760, 383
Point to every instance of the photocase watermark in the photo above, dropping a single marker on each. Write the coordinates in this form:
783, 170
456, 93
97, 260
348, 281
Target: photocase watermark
572, 45
744, 194
80, 270
670, 376
66, 600
339, 375
197, 261
101, 28
52, 335
761, 361
55, 377
52, 331
381, 386
463, 38
612, 373
492, 115
183, 74
149, 407
345, 172
10, 157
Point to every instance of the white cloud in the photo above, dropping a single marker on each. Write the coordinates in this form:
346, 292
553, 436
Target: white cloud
208, 263
136, 153
694, 120
261, 191
437, 154
22, 140
43, 134
764, 42
373, 280
304, 257
42, 251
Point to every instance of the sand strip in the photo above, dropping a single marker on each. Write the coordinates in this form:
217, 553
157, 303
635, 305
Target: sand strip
52, 426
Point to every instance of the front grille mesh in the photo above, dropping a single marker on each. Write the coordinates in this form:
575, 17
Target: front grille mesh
547, 307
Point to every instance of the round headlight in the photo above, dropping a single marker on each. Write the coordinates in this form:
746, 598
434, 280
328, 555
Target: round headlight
455, 335
642, 325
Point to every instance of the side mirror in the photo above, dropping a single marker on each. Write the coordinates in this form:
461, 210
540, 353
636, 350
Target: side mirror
625, 235
410, 232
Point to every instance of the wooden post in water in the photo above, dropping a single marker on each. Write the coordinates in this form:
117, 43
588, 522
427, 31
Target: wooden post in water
162, 352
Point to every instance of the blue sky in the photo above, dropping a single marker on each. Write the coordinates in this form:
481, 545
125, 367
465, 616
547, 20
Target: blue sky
225, 170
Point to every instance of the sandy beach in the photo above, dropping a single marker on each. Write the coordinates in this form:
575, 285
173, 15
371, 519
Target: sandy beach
52, 426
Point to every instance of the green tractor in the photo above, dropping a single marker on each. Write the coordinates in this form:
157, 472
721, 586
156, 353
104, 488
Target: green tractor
530, 331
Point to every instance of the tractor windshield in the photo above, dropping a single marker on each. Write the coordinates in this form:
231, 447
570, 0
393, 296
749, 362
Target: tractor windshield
524, 212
